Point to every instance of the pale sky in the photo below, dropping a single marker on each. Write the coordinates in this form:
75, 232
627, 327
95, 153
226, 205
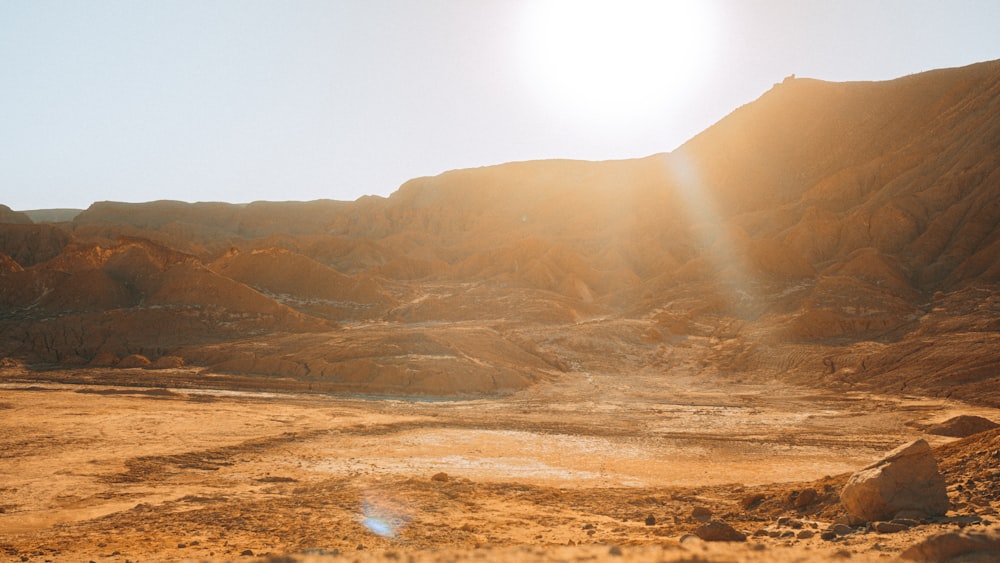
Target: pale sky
244, 100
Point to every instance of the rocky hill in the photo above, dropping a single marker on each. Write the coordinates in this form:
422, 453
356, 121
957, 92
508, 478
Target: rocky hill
826, 233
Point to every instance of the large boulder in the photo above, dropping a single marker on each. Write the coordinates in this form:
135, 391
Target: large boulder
905, 480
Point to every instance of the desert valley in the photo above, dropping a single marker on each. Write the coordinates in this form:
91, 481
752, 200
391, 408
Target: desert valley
682, 357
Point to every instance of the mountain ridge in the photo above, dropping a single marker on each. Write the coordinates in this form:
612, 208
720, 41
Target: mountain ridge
824, 223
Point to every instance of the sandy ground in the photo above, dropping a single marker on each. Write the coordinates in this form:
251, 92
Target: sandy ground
571, 470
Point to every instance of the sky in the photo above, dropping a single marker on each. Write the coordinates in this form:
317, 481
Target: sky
246, 100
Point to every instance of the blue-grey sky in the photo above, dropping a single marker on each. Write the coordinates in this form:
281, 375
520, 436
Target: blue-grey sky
243, 100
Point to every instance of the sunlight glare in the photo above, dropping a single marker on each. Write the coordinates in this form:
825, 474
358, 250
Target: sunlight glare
589, 59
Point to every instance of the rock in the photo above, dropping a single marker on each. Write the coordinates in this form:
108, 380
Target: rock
946, 546
805, 498
962, 426
247, 553
842, 529
906, 479
751, 501
760, 533
441, 477
888, 527
701, 514
651, 520
828, 535
615, 551
717, 530
805, 534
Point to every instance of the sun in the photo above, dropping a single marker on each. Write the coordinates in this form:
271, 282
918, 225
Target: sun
614, 60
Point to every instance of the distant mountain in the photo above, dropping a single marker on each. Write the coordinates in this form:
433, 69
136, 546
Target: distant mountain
52, 215
826, 233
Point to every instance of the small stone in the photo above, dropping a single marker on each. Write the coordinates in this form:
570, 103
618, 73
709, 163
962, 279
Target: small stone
842, 530
805, 534
888, 527
246, 553
701, 514
717, 530
588, 526
615, 551
906, 522
828, 535
774, 533
760, 533
783, 521
441, 477
181, 545
651, 520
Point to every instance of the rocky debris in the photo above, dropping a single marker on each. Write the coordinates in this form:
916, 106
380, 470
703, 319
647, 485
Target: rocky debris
972, 546
717, 530
962, 426
440, 477
905, 480
650, 520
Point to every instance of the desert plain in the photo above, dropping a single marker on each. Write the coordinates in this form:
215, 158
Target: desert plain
113, 472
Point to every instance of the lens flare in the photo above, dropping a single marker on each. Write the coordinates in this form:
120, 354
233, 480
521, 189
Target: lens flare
382, 516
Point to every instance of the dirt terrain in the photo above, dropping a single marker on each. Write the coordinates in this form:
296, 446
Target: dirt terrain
571, 469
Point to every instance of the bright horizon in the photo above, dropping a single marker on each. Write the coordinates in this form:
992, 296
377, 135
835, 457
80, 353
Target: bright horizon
243, 100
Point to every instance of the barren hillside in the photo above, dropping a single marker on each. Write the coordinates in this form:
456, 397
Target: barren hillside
827, 233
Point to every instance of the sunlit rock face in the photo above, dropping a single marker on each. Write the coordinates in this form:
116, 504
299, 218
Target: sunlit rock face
827, 232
